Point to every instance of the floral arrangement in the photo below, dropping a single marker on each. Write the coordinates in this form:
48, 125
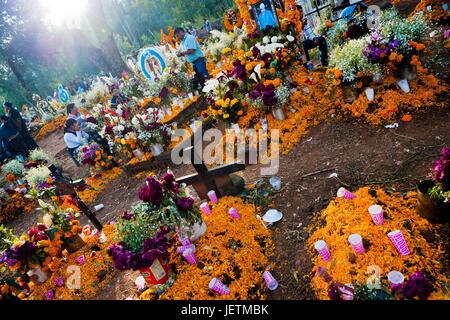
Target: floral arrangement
346, 269
40, 155
13, 167
351, 62
130, 256
232, 19
38, 177
441, 177
88, 154
437, 13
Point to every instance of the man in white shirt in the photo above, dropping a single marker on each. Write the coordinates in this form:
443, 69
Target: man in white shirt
310, 41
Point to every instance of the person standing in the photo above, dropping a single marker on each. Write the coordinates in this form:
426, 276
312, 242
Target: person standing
11, 139
311, 41
16, 119
207, 25
194, 55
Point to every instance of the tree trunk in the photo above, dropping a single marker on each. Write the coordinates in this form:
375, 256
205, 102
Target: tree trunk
12, 66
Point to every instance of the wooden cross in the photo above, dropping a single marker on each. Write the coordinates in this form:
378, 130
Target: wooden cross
65, 186
216, 179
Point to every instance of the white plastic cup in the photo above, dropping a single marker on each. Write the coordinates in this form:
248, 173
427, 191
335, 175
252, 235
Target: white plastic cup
356, 241
99, 207
275, 182
323, 250
404, 85
213, 197
370, 93
395, 278
376, 212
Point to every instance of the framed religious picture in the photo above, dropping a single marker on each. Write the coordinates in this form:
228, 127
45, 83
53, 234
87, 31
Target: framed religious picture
152, 63
265, 14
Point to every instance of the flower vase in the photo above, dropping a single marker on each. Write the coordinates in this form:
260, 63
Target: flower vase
349, 93
74, 244
433, 210
407, 71
278, 114
157, 273
156, 149
138, 154
40, 275
370, 93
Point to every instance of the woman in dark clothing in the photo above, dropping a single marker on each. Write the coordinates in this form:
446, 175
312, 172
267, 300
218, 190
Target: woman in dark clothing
16, 119
11, 139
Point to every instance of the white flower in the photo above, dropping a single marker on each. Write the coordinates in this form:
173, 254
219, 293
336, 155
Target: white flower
266, 40
274, 39
210, 85
290, 38
120, 127
135, 121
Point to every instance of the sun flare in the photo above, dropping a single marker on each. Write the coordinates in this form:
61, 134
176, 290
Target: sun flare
59, 12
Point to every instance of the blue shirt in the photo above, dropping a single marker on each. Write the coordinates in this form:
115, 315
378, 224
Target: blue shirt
190, 42
266, 19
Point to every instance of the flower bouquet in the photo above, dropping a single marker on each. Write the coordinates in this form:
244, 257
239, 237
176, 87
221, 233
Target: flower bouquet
434, 195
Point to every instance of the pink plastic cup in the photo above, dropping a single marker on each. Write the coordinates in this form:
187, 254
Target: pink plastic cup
323, 250
234, 213
376, 212
270, 280
180, 250
81, 260
213, 197
218, 286
399, 242
344, 193
184, 241
206, 209
357, 243
189, 255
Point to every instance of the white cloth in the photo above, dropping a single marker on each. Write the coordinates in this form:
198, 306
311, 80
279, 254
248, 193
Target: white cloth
74, 140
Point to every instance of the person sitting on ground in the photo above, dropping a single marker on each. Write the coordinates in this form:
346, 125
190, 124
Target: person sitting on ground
11, 139
74, 136
16, 120
311, 41
193, 53
117, 97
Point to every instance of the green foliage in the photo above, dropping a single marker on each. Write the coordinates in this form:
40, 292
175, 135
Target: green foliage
7, 238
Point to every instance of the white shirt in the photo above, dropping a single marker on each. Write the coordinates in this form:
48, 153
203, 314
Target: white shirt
74, 141
308, 33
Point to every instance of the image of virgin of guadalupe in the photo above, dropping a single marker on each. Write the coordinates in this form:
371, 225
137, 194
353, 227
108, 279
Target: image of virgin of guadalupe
154, 68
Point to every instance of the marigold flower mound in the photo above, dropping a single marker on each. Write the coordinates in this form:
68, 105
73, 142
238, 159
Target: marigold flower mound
15, 205
50, 127
98, 183
95, 273
390, 101
234, 251
344, 217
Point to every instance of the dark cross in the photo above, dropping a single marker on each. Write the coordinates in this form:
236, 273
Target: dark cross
66, 186
205, 180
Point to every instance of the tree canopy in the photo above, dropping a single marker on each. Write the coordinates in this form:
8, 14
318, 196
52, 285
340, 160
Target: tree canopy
35, 55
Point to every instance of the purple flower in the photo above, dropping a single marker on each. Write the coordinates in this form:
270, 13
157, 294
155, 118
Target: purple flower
269, 96
417, 286
168, 180
152, 192
59, 282
127, 215
256, 52
24, 251
238, 70
446, 153
164, 93
49, 295
185, 204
